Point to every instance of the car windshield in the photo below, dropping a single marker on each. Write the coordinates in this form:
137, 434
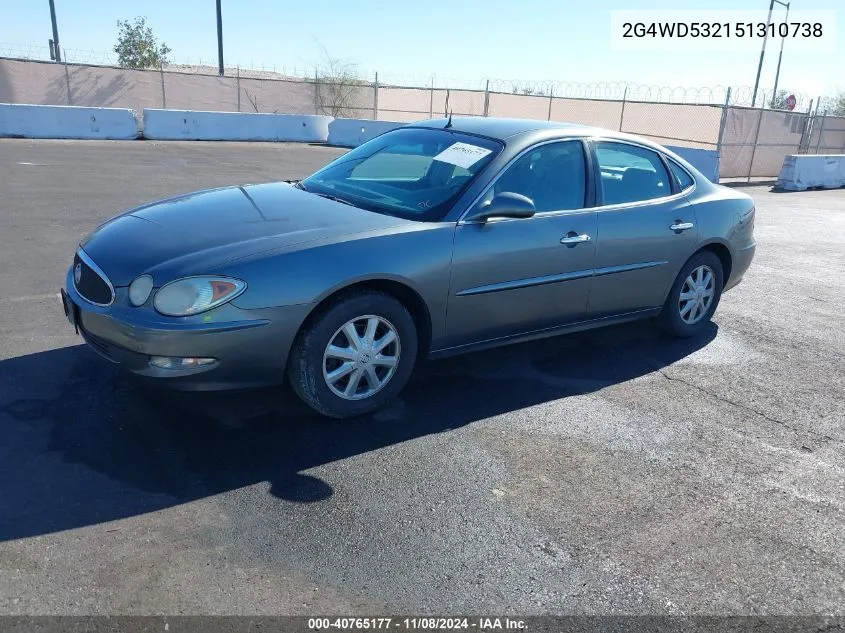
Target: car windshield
413, 173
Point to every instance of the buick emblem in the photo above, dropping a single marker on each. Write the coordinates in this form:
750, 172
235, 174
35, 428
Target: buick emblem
77, 273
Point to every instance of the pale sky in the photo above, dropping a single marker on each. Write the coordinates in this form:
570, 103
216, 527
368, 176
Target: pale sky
560, 40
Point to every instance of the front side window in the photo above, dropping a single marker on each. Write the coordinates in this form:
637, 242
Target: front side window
413, 173
630, 173
553, 176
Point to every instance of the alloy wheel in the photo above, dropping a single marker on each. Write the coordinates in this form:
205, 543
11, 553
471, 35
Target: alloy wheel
361, 357
696, 294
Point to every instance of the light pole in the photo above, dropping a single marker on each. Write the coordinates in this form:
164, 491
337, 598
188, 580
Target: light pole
56, 50
219, 39
763, 51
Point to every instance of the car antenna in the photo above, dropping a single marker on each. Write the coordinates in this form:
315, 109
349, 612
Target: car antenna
446, 107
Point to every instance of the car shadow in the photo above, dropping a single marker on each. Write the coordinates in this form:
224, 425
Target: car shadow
742, 183
819, 188
82, 444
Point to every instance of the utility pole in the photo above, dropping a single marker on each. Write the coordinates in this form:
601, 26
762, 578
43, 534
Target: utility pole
219, 37
56, 49
762, 53
780, 56
763, 50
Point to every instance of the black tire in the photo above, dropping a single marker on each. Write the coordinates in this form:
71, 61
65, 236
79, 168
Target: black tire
670, 318
305, 366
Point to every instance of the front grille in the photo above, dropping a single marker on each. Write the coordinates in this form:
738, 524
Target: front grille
90, 284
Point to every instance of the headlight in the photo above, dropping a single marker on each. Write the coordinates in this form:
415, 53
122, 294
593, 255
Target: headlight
192, 295
139, 290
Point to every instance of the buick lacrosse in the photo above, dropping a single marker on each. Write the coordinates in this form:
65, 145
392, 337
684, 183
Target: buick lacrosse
433, 239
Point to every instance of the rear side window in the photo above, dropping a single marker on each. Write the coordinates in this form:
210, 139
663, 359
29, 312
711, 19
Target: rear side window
630, 173
684, 179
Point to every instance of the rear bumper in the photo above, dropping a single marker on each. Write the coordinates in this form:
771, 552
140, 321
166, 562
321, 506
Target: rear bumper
250, 347
740, 264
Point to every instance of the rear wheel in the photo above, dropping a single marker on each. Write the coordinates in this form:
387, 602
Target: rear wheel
694, 295
355, 356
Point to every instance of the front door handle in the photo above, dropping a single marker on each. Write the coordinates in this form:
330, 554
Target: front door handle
681, 226
573, 238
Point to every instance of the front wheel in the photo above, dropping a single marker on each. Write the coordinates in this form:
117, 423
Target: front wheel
694, 296
355, 355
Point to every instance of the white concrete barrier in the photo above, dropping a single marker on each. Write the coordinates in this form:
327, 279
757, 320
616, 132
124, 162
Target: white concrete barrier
234, 126
39, 121
353, 132
704, 160
803, 171
35, 121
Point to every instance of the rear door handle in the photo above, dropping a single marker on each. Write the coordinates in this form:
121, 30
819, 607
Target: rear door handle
681, 226
574, 238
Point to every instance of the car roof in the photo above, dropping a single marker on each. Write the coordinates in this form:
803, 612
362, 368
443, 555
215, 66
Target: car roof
526, 131
498, 128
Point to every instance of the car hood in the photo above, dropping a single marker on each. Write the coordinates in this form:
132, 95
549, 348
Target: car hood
193, 233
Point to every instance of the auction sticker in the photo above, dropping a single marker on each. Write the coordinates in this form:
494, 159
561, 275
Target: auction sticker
462, 154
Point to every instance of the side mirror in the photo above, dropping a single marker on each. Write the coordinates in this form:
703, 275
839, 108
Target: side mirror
504, 205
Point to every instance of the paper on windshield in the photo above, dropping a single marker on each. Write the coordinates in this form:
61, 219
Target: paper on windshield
462, 154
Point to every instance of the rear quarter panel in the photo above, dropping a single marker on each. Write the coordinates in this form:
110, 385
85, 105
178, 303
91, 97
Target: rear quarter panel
726, 217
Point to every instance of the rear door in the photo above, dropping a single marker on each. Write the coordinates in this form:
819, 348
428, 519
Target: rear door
646, 229
517, 275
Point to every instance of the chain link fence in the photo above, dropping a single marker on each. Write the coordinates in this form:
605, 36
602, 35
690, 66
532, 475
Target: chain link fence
826, 135
754, 141
751, 142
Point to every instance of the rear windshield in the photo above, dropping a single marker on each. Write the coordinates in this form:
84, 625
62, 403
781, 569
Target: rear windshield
413, 173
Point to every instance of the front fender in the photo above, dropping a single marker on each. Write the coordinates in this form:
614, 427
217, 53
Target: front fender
419, 259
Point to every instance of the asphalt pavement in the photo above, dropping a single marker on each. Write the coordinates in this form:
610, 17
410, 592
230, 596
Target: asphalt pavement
610, 472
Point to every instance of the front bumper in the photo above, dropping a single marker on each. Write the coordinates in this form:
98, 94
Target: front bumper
250, 346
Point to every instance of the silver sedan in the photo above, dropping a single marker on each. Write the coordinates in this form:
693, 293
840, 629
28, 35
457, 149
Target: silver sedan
436, 238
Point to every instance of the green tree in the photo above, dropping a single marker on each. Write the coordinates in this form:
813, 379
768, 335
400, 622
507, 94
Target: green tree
839, 104
339, 90
778, 101
137, 47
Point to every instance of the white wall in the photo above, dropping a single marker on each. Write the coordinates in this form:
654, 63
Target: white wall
353, 132
234, 126
35, 121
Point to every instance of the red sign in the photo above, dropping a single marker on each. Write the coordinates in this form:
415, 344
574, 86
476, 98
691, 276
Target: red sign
790, 102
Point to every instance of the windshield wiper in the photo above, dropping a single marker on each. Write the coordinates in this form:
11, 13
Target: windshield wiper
298, 184
335, 198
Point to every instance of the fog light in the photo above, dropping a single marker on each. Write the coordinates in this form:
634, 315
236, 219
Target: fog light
170, 362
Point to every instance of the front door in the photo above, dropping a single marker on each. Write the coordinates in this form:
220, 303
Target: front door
512, 276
